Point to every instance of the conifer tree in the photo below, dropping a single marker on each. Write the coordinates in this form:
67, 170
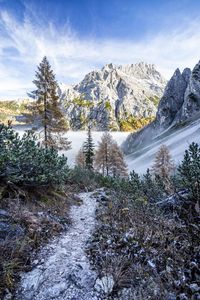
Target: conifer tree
118, 165
135, 182
109, 157
88, 150
80, 158
48, 108
163, 166
189, 171
103, 154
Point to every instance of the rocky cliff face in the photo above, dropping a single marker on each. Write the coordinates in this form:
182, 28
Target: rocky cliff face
179, 104
113, 95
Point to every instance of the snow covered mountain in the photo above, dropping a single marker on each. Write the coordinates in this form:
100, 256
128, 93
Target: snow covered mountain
177, 121
113, 95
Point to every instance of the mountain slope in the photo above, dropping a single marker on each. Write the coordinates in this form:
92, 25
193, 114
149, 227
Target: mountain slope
179, 105
177, 140
177, 121
114, 95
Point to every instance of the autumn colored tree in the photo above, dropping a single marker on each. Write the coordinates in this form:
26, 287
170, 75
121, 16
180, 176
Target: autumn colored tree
80, 158
103, 154
109, 158
47, 106
163, 165
118, 166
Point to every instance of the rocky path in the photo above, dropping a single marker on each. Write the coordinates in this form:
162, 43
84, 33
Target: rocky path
63, 271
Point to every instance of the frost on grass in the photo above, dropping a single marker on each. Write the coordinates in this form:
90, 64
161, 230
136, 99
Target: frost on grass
63, 270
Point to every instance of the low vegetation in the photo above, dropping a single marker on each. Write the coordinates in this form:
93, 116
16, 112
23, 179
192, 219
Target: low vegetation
132, 123
147, 234
34, 200
10, 110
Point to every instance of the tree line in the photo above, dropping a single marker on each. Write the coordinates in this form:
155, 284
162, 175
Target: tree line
27, 161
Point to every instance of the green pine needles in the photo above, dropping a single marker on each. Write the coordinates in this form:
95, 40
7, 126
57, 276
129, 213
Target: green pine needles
88, 150
23, 161
47, 107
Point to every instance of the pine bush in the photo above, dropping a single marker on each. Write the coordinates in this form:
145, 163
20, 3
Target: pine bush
23, 161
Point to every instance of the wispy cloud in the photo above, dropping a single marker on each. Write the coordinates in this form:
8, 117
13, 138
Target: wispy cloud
23, 45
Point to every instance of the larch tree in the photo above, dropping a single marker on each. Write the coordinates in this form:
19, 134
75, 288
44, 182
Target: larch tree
118, 165
48, 108
103, 154
163, 165
88, 150
109, 158
80, 158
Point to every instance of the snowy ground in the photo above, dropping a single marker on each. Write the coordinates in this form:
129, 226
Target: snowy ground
63, 271
177, 142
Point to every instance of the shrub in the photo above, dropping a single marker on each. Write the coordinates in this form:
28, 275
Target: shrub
23, 161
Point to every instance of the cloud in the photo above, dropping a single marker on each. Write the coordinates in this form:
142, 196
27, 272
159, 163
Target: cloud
23, 44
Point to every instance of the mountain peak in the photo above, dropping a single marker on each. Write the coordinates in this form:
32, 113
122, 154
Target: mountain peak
116, 93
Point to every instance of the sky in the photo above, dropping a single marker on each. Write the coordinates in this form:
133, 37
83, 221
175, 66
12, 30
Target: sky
79, 36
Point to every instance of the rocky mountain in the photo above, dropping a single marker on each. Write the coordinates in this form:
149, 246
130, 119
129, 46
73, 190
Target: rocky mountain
114, 97
179, 105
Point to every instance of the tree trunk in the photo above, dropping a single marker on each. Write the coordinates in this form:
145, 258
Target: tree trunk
45, 121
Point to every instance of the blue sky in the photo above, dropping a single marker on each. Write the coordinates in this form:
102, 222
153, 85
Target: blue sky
81, 35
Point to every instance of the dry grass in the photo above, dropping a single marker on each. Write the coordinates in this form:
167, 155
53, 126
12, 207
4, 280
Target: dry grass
143, 250
42, 214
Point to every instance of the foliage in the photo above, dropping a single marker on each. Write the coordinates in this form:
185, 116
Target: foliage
109, 158
47, 106
80, 158
24, 161
146, 253
88, 149
155, 99
82, 102
189, 171
164, 165
10, 109
108, 105
132, 123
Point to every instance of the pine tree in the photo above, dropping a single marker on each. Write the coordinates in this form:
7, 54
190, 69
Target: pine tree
80, 158
189, 170
135, 182
88, 150
163, 166
48, 108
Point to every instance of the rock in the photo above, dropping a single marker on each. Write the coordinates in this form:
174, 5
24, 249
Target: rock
113, 94
180, 104
194, 288
104, 284
4, 213
173, 98
196, 296
104, 199
182, 297
171, 296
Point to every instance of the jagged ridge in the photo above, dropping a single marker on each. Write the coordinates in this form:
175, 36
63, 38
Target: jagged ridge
179, 104
113, 94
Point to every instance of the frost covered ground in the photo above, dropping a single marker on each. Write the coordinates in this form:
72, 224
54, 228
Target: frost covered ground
62, 270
